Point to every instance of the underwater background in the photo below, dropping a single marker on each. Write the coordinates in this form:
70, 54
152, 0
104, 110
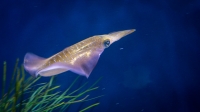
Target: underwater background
155, 69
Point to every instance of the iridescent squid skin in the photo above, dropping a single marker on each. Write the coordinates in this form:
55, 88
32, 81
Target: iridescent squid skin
80, 58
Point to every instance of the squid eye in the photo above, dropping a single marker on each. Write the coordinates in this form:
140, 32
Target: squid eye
106, 43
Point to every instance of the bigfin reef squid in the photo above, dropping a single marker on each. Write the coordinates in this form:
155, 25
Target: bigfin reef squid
80, 58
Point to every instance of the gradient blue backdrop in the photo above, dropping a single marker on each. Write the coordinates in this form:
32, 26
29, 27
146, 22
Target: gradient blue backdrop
155, 69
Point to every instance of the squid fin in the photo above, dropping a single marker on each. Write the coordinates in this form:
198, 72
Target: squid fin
86, 63
32, 62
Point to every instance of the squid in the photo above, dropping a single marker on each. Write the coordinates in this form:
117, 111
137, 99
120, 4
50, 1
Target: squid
80, 58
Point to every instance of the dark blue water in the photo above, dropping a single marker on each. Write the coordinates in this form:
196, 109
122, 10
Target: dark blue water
158, 68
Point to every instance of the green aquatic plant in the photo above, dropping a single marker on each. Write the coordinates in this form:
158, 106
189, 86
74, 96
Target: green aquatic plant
25, 94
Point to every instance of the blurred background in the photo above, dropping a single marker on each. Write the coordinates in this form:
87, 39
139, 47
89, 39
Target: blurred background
155, 69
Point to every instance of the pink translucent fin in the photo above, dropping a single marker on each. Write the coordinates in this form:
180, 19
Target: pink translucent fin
86, 63
32, 62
